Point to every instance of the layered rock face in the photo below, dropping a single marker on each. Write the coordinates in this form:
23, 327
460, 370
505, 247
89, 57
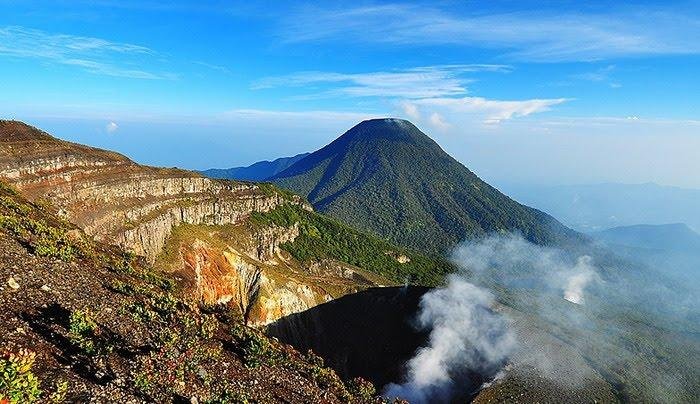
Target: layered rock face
115, 199
138, 207
244, 267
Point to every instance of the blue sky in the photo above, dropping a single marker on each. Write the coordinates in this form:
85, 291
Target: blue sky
523, 92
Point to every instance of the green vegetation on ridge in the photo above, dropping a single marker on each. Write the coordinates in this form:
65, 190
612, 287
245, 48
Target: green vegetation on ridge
324, 238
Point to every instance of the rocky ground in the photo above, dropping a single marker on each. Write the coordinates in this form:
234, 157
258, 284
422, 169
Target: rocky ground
93, 324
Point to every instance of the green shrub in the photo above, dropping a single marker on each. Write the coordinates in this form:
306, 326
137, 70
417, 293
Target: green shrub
326, 378
361, 388
179, 357
84, 332
17, 382
19, 385
43, 239
230, 394
255, 348
165, 304
160, 280
59, 393
208, 327
8, 189
314, 359
140, 312
122, 287
123, 263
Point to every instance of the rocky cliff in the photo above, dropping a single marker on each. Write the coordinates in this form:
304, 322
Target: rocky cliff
115, 199
260, 281
118, 201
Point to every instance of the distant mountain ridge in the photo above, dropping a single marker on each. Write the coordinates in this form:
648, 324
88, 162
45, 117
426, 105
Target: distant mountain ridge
596, 207
673, 249
672, 237
387, 177
259, 171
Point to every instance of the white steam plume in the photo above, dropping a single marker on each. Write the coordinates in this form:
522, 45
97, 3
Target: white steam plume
466, 336
583, 274
511, 261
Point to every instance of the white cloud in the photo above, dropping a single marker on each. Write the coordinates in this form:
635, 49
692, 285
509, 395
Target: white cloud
601, 74
535, 35
111, 127
438, 91
438, 121
411, 110
490, 111
93, 55
419, 82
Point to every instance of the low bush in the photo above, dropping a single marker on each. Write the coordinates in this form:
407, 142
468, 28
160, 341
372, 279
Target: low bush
230, 394
255, 348
17, 382
362, 388
19, 385
180, 356
84, 333
42, 238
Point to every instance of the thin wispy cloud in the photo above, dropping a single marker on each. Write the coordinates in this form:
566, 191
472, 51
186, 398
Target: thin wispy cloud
259, 115
419, 82
534, 36
219, 68
89, 54
435, 93
600, 75
111, 127
489, 111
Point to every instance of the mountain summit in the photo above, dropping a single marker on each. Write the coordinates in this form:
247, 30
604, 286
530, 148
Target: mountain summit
387, 177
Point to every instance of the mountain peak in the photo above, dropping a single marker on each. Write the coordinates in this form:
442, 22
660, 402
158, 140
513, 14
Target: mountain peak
386, 122
383, 127
381, 135
389, 178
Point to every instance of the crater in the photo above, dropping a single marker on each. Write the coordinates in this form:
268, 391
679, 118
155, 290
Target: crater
368, 334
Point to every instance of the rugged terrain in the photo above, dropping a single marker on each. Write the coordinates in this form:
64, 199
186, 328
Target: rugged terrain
194, 227
134, 283
83, 321
387, 177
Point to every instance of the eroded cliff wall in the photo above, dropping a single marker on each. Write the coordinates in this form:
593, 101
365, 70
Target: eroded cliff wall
118, 201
